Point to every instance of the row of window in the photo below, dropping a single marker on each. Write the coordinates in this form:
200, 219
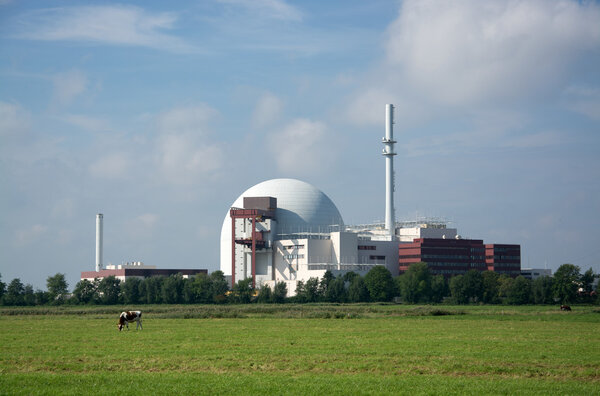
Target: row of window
497, 257
457, 256
451, 264
505, 249
377, 257
293, 256
509, 265
294, 247
366, 247
443, 256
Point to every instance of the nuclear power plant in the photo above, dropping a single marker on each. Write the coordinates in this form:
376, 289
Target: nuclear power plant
286, 230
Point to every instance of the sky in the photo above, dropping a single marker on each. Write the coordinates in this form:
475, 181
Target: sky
160, 114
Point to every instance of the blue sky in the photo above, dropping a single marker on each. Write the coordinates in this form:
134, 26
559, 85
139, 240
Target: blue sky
159, 115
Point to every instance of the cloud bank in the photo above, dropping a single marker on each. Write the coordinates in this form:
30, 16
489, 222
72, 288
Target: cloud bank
111, 24
474, 53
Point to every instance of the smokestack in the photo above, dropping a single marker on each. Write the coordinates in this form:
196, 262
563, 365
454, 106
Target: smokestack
99, 217
388, 152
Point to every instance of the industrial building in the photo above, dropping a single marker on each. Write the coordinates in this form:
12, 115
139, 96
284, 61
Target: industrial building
456, 256
136, 269
534, 273
288, 230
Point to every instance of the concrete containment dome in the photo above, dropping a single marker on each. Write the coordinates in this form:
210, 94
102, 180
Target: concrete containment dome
301, 208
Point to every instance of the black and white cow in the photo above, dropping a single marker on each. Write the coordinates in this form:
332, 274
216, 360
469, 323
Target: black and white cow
130, 316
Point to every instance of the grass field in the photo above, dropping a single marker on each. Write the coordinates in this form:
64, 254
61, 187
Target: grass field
368, 349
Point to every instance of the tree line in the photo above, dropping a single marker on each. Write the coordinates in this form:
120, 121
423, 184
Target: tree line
416, 285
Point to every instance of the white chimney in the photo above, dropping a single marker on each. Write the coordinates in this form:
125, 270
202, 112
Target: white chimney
388, 152
99, 242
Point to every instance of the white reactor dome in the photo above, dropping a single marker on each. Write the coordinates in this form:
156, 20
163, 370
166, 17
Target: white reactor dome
301, 208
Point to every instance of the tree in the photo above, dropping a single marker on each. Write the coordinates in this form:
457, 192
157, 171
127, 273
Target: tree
439, 288
474, 285
57, 288
150, 290
131, 290
491, 287
198, 290
336, 291
85, 291
300, 294
311, 290
172, 289
541, 290
14, 293
357, 291
519, 291
380, 284
458, 290
2, 288
41, 297
415, 283
243, 291
348, 276
587, 280
265, 295
280, 293
566, 279
109, 290
28, 295
218, 287
325, 281
587, 284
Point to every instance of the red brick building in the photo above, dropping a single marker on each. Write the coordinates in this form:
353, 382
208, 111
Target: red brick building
451, 257
504, 259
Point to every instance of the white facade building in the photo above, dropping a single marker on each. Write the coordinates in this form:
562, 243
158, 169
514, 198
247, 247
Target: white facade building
534, 273
288, 230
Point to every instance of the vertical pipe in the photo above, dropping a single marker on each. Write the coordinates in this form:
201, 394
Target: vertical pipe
388, 152
253, 252
99, 217
232, 250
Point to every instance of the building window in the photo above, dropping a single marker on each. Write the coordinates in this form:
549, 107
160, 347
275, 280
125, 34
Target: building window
293, 256
366, 247
294, 247
377, 257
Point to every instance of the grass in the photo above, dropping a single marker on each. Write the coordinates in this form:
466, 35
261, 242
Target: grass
371, 349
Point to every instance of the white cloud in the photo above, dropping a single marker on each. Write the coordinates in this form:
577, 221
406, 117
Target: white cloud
26, 236
141, 227
299, 147
268, 110
115, 165
187, 119
111, 24
85, 122
69, 85
584, 100
184, 150
462, 52
13, 119
272, 9
148, 220
457, 54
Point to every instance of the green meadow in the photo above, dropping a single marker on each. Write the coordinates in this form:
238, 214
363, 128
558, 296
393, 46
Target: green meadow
300, 349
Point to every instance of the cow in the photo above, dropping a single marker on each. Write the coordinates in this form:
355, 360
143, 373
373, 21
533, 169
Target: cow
130, 316
565, 308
